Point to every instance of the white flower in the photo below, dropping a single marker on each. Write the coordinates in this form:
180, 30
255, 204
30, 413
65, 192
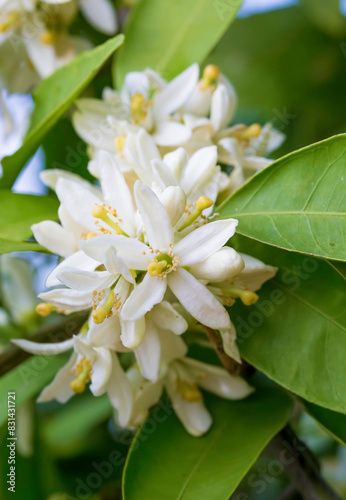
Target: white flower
183, 378
93, 360
145, 100
164, 263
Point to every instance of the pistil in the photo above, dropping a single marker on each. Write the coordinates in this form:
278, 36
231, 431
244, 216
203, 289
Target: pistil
99, 212
201, 204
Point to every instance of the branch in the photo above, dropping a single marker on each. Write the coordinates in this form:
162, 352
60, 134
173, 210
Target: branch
228, 363
63, 330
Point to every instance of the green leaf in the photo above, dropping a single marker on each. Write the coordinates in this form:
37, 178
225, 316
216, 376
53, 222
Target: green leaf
27, 379
334, 423
166, 462
298, 202
53, 96
7, 246
19, 211
296, 332
166, 36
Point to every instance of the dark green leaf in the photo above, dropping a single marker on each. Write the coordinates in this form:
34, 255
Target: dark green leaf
169, 36
298, 202
296, 332
334, 423
19, 211
7, 246
53, 96
166, 462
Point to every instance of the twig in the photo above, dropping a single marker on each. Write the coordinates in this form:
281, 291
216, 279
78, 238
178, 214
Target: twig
228, 363
14, 356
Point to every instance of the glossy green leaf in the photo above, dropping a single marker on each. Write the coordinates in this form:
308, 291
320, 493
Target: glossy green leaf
298, 202
334, 423
53, 96
296, 332
19, 211
7, 246
166, 462
27, 379
166, 36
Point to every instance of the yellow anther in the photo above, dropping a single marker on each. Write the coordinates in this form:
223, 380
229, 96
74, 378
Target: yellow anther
78, 385
120, 143
137, 102
44, 309
248, 298
251, 132
47, 37
203, 202
211, 72
188, 391
156, 268
101, 313
3, 27
99, 212
90, 235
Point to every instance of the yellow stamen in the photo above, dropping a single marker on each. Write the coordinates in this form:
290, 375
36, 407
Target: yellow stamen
156, 268
137, 102
248, 298
250, 132
47, 37
44, 309
188, 391
120, 143
11, 19
83, 370
100, 314
100, 212
201, 204
210, 77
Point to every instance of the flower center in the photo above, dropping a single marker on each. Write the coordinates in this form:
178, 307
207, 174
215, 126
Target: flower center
247, 133
83, 370
11, 18
139, 108
163, 264
230, 293
100, 212
106, 310
48, 37
188, 391
119, 144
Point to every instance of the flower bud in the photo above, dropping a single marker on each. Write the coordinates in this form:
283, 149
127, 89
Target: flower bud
220, 266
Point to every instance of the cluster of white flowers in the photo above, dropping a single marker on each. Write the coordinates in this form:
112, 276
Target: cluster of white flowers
142, 249
35, 39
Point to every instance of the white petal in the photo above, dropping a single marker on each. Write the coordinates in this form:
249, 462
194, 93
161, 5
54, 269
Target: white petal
133, 252
165, 316
59, 388
255, 273
229, 337
204, 241
107, 334
115, 190
94, 130
171, 133
54, 237
164, 174
146, 148
219, 266
119, 392
194, 416
85, 280
78, 260
176, 93
218, 381
143, 298
149, 352
42, 56
197, 300
132, 332
37, 348
51, 176
69, 300
176, 161
172, 346
199, 166
78, 201
155, 218
115, 265
174, 200
101, 15
222, 107
101, 371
